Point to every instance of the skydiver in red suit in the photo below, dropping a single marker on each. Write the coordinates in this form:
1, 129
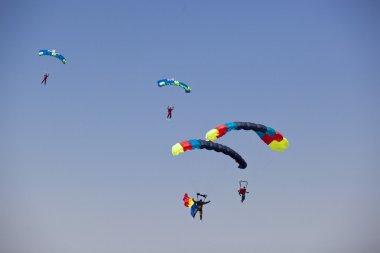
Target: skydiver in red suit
46, 75
170, 109
242, 191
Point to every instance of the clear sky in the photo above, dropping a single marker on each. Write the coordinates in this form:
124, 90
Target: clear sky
86, 163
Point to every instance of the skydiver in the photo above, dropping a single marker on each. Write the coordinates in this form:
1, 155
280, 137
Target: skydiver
46, 75
170, 109
200, 204
242, 191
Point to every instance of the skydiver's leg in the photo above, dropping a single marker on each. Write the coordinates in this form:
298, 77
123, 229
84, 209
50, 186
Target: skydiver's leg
242, 198
200, 215
195, 213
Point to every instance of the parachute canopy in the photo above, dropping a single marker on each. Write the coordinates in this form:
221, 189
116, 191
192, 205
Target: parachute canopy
54, 54
189, 202
271, 137
201, 144
243, 183
165, 82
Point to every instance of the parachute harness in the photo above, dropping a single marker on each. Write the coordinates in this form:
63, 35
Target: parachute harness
204, 196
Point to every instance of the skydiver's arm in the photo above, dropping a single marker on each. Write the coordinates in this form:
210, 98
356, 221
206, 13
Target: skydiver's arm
206, 202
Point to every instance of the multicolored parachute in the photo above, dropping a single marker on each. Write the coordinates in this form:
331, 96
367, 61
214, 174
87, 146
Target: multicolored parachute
189, 202
54, 54
165, 82
268, 135
201, 144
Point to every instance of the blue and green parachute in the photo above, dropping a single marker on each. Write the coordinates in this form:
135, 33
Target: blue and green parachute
165, 82
54, 54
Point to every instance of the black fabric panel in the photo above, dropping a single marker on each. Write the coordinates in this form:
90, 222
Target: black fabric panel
225, 150
250, 126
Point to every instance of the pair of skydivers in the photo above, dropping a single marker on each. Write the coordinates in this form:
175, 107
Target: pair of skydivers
200, 202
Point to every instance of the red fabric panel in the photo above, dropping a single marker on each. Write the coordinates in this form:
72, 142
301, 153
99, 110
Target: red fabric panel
267, 139
186, 145
222, 130
278, 137
186, 200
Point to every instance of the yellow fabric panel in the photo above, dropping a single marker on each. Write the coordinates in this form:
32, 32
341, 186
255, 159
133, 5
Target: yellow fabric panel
279, 146
177, 149
212, 135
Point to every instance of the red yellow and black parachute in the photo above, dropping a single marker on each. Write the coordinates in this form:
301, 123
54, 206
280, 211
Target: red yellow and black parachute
271, 137
201, 144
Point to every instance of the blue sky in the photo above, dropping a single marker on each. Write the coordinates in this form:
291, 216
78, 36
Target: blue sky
86, 164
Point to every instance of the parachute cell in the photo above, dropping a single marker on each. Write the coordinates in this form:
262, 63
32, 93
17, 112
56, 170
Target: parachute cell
189, 202
54, 54
165, 82
201, 144
271, 137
